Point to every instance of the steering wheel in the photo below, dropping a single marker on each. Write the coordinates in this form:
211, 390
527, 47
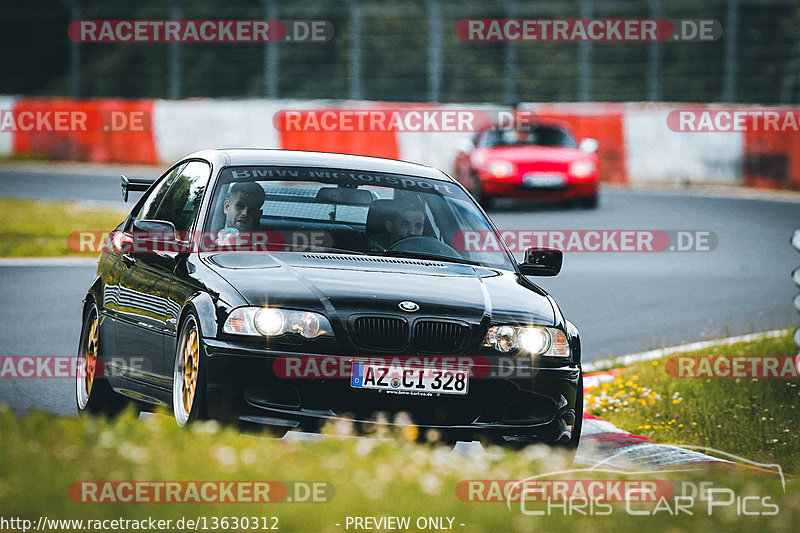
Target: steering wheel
424, 244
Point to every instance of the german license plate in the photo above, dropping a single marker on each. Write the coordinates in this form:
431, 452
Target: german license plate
543, 179
409, 380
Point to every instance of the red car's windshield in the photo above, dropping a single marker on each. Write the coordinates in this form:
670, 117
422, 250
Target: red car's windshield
539, 136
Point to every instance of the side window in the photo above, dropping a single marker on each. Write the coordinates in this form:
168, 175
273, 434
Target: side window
182, 202
150, 206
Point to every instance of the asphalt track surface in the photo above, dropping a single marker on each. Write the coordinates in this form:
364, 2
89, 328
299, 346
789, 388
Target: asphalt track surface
621, 302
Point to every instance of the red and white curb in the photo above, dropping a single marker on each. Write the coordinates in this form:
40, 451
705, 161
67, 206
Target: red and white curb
604, 443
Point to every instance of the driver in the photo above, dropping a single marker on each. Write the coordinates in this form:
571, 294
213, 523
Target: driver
242, 206
521, 136
242, 209
409, 221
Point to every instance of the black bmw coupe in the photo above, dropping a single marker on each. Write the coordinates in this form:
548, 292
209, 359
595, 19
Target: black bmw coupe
291, 289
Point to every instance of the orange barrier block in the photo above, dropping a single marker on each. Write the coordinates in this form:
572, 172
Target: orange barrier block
371, 143
96, 130
772, 158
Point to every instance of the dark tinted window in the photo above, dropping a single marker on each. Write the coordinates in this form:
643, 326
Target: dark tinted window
542, 136
361, 212
182, 202
149, 208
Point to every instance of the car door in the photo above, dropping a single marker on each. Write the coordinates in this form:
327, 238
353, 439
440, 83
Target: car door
145, 286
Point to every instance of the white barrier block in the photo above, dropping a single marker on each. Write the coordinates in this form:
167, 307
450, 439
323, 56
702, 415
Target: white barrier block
6, 137
659, 155
185, 126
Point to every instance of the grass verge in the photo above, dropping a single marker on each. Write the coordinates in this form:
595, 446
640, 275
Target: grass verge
756, 418
45, 459
33, 228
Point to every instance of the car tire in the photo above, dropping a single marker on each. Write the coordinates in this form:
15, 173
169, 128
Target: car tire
576, 430
188, 377
93, 394
570, 447
588, 202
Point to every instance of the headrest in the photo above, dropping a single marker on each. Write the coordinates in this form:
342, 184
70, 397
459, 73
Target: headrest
379, 212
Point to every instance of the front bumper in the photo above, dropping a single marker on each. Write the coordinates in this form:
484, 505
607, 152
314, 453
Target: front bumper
537, 404
512, 187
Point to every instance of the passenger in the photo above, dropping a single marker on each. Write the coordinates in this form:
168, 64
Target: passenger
392, 220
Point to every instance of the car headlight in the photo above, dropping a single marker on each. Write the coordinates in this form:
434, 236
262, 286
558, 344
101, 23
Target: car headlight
533, 340
581, 169
271, 322
500, 169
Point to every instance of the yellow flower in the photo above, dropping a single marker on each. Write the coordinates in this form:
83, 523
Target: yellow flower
410, 432
655, 363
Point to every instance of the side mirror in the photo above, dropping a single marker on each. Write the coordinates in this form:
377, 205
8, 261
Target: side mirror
589, 145
541, 262
154, 230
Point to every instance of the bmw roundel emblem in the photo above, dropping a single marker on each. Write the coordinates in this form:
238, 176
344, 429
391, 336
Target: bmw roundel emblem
409, 306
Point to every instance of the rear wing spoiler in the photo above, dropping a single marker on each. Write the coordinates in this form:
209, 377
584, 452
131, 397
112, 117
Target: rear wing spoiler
134, 184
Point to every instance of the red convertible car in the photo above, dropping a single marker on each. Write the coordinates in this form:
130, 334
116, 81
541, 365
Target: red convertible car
540, 162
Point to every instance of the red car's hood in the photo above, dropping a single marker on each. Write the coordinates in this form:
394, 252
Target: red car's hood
533, 154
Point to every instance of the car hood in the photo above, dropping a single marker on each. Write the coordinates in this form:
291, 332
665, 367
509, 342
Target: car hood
344, 285
531, 154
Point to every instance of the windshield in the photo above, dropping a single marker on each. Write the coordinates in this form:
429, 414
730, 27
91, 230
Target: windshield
346, 211
539, 136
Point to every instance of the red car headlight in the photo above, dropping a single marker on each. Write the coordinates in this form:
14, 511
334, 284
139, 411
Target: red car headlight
582, 169
500, 169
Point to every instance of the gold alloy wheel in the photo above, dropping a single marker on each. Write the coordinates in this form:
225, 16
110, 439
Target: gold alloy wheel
190, 356
185, 376
91, 355
88, 359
